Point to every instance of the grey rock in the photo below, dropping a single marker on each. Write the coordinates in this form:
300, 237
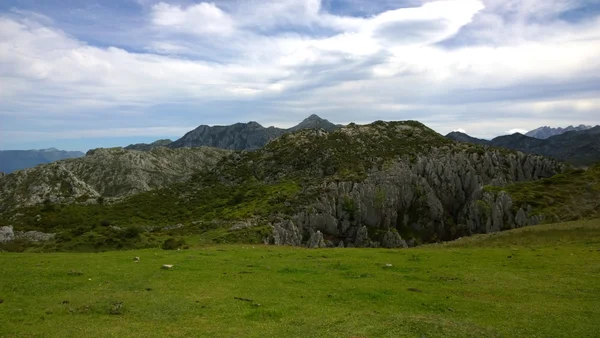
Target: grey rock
340, 244
286, 233
34, 236
521, 218
316, 241
392, 239
362, 237
6, 234
110, 173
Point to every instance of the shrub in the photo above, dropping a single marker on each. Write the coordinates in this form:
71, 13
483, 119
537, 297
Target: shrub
172, 243
105, 223
132, 232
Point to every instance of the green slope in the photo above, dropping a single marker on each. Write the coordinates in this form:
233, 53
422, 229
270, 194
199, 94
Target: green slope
491, 286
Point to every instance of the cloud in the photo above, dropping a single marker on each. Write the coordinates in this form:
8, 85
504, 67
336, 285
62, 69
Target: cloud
203, 18
485, 66
517, 130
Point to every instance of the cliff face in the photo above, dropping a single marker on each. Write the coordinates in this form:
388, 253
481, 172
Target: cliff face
111, 173
438, 197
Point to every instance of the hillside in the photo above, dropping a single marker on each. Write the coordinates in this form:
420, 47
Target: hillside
107, 173
572, 195
244, 136
13, 160
391, 184
580, 148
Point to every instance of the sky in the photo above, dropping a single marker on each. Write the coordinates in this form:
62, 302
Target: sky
81, 74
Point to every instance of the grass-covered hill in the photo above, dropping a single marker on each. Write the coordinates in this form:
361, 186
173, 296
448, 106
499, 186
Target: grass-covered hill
539, 281
391, 184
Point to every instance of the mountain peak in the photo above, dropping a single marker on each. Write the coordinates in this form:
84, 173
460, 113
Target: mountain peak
314, 122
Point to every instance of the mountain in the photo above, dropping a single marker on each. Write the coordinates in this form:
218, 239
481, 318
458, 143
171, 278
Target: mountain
546, 132
314, 122
462, 137
110, 173
244, 136
580, 148
11, 160
150, 146
389, 184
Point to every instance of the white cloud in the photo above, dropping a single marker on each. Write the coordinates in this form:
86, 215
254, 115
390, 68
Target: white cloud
203, 18
286, 59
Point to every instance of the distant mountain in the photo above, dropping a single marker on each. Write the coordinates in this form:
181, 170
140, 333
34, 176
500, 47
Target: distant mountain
546, 132
462, 137
149, 146
11, 160
244, 136
577, 147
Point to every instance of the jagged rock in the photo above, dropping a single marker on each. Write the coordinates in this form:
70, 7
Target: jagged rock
521, 218
286, 233
340, 244
6, 234
329, 244
362, 237
392, 239
316, 241
110, 173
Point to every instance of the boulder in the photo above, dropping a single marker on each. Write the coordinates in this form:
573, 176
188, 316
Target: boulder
392, 239
6, 234
316, 241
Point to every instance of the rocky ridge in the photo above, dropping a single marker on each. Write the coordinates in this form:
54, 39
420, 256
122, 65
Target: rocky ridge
244, 136
107, 173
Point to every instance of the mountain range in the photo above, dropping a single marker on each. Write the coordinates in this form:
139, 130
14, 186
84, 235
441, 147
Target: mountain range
578, 147
546, 132
390, 184
12, 160
244, 136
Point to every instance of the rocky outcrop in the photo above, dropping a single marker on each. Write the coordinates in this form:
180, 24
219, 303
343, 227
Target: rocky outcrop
108, 173
6, 234
438, 196
316, 241
34, 236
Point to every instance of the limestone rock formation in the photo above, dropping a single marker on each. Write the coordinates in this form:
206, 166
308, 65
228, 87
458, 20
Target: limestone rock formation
110, 173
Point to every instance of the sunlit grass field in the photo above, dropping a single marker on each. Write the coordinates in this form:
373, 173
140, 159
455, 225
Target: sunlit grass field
541, 281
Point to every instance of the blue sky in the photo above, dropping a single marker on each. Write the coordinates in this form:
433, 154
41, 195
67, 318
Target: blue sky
80, 74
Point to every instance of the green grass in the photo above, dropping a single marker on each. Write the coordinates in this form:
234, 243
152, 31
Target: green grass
533, 282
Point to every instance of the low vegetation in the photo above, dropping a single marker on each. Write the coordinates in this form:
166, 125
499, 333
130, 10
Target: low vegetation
537, 281
572, 195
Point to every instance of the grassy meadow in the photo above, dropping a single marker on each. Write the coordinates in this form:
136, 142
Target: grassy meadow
540, 281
